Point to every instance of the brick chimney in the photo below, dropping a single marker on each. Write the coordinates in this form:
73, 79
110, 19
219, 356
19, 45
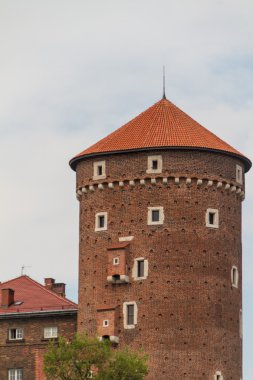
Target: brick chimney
58, 288
7, 298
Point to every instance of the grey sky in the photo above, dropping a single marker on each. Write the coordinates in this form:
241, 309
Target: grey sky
73, 71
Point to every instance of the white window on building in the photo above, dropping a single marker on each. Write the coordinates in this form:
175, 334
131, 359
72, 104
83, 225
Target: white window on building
155, 215
140, 269
240, 324
15, 374
101, 221
155, 164
105, 323
50, 332
16, 334
99, 170
218, 376
130, 315
212, 218
239, 174
115, 261
234, 277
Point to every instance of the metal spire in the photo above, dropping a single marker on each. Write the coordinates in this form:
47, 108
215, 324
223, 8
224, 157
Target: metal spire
164, 96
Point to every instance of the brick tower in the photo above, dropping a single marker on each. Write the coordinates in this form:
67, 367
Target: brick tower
160, 244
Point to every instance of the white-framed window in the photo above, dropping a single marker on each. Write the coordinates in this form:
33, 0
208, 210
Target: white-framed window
99, 170
105, 322
115, 261
155, 164
130, 314
218, 376
212, 218
140, 269
16, 334
155, 215
15, 374
240, 324
101, 221
239, 174
234, 276
50, 332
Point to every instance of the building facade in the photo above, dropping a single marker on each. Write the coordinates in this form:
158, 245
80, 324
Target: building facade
160, 266
30, 316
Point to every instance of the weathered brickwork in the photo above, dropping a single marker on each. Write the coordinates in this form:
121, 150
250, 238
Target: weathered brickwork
28, 353
187, 309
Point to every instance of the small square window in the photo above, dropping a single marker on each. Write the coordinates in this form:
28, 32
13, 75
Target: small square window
212, 218
105, 323
155, 215
115, 261
15, 334
101, 221
50, 332
99, 170
155, 164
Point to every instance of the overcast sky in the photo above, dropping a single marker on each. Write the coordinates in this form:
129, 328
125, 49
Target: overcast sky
73, 71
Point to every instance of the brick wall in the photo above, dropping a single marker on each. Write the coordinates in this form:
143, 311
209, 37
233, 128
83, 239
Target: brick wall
188, 311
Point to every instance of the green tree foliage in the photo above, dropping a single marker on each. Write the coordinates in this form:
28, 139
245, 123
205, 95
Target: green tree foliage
75, 360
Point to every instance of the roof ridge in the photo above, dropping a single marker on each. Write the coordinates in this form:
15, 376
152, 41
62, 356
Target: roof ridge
42, 287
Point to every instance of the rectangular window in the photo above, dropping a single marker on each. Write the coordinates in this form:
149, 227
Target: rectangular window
115, 261
99, 170
154, 164
130, 314
239, 175
155, 215
212, 218
15, 334
50, 332
101, 221
15, 374
140, 268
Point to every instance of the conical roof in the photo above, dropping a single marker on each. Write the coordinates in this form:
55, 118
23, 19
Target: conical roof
161, 126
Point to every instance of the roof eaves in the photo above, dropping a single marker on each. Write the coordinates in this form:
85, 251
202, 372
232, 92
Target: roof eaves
75, 160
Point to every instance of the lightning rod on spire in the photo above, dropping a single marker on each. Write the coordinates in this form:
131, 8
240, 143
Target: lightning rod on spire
164, 96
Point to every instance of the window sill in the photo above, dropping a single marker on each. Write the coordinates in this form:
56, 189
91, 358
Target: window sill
47, 339
15, 341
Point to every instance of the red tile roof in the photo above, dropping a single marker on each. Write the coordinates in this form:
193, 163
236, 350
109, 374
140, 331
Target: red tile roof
163, 125
34, 297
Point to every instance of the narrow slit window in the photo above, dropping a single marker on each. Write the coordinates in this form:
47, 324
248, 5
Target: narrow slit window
101, 221
155, 215
115, 261
211, 217
100, 170
105, 323
154, 164
130, 314
234, 276
140, 268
